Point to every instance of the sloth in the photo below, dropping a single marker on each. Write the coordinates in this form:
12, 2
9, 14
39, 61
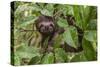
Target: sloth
48, 28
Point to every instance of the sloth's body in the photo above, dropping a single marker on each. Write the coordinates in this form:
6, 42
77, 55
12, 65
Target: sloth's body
48, 29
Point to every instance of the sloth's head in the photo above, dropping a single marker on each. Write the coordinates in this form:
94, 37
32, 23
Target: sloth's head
46, 27
45, 24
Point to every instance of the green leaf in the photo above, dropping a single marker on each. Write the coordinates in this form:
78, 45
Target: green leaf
68, 38
25, 7
70, 10
50, 8
48, 58
60, 55
91, 36
76, 10
92, 25
58, 39
78, 58
89, 51
74, 35
62, 23
46, 12
16, 60
27, 52
25, 23
34, 60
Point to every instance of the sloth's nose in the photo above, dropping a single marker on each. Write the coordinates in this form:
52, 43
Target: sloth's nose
46, 28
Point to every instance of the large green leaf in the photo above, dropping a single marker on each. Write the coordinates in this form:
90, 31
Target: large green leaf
68, 38
25, 51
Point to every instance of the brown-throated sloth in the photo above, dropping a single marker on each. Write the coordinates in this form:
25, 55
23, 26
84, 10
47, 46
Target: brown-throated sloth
48, 28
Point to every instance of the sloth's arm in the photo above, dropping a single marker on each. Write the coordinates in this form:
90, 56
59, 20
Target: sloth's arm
71, 21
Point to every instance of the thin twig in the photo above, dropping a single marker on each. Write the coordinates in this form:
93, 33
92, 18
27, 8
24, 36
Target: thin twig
24, 30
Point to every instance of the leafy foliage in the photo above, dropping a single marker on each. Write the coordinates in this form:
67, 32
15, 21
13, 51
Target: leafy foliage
25, 15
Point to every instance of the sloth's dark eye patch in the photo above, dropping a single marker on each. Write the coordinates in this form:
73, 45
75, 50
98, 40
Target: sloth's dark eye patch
41, 25
51, 25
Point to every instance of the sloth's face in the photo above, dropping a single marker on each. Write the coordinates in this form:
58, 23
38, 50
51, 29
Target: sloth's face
46, 27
